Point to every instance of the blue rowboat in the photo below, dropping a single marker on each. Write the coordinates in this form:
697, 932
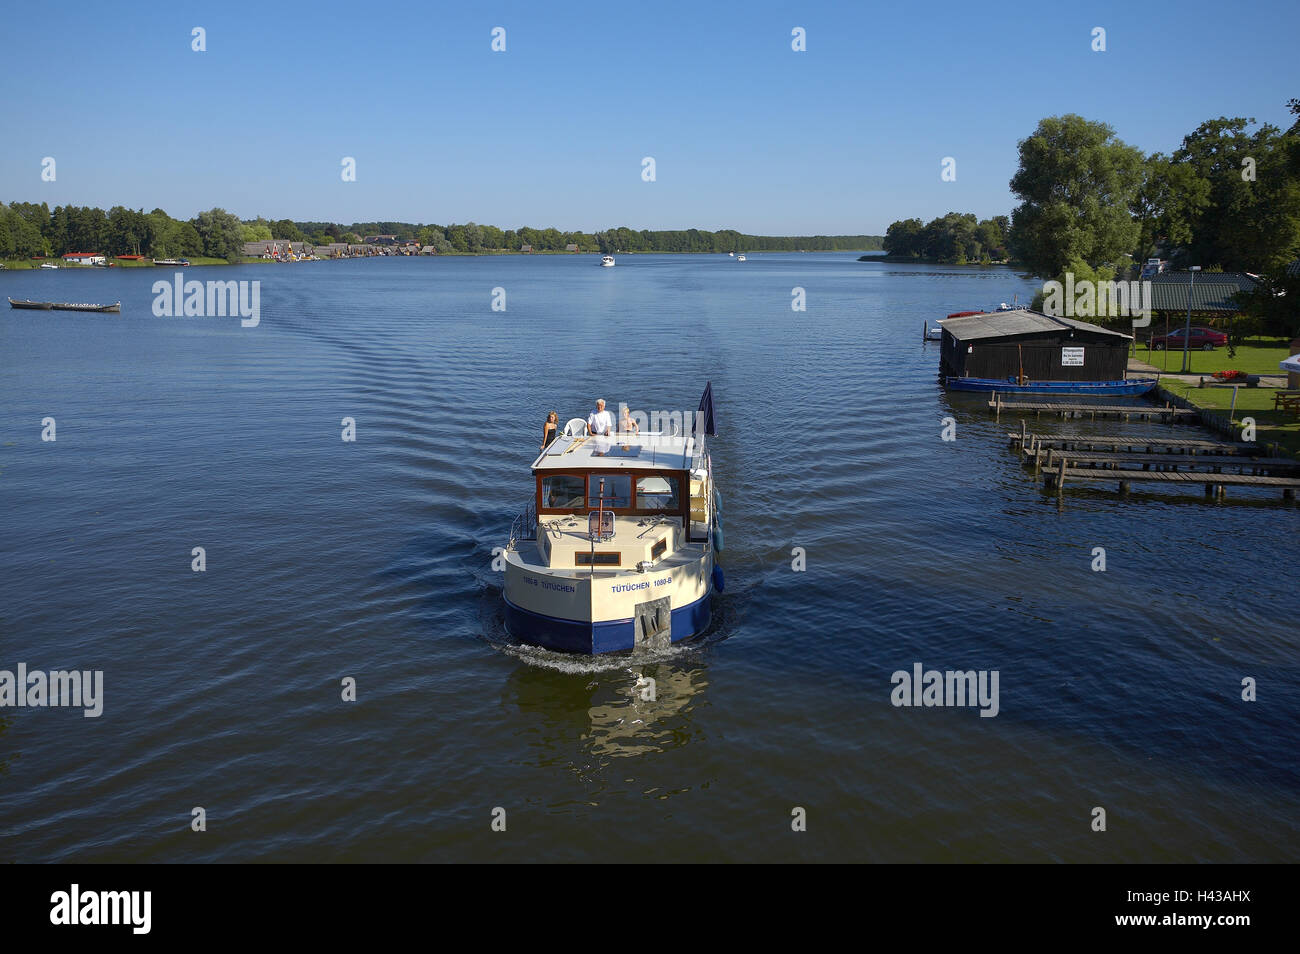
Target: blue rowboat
1131, 388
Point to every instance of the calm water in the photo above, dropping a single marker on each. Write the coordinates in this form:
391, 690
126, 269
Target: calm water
371, 559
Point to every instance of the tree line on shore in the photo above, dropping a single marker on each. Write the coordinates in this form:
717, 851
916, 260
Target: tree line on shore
29, 229
1227, 199
956, 238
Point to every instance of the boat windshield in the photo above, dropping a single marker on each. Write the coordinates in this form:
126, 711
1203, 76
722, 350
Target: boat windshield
563, 491
617, 490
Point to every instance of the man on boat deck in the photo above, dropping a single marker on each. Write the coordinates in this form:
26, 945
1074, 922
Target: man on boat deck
600, 421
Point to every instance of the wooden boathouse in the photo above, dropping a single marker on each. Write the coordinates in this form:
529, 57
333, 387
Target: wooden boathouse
1005, 344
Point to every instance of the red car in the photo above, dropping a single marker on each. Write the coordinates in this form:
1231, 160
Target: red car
1206, 339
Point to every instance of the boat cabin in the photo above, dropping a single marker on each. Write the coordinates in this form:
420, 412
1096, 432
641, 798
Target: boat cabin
642, 497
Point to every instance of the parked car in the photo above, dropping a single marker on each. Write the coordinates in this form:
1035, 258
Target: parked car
1205, 339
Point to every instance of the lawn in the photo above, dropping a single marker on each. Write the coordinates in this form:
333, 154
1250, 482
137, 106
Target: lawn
1257, 403
1254, 356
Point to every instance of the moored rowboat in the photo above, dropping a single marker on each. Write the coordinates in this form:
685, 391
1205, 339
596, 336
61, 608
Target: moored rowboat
1133, 387
64, 306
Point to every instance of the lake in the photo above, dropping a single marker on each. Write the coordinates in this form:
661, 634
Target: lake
371, 560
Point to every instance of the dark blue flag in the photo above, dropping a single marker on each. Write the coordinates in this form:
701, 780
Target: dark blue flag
706, 405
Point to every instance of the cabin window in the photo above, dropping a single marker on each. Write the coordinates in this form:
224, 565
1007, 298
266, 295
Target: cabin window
658, 493
608, 558
618, 490
562, 492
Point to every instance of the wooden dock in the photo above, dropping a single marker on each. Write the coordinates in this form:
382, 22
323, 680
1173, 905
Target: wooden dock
1215, 484
1168, 413
1213, 463
1146, 444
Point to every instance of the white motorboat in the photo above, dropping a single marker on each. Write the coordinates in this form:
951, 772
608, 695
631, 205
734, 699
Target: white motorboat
740, 258
607, 261
617, 548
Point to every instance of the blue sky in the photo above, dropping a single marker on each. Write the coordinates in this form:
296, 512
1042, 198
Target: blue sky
745, 133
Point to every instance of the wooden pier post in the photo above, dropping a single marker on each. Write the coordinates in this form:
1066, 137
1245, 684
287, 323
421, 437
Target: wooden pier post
1024, 429
1060, 477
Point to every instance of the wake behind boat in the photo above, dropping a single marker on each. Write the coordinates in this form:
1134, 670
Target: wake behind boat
617, 549
64, 306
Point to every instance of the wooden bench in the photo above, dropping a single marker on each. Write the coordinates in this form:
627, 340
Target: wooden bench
1287, 401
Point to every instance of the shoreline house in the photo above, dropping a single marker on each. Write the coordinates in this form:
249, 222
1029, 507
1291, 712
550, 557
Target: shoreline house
276, 249
84, 258
526, 249
332, 250
571, 247
1004, 344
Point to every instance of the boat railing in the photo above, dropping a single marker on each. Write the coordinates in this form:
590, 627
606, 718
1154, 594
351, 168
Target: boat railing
524, 526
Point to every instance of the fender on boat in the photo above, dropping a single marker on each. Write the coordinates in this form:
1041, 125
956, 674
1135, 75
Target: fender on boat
717, 537
719, 582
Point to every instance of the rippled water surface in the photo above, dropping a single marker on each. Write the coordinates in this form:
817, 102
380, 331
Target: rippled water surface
372, 560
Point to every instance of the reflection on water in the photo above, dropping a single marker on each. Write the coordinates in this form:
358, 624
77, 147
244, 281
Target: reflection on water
581, 713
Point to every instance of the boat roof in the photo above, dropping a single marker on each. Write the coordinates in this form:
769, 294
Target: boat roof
1019, 321
651, 451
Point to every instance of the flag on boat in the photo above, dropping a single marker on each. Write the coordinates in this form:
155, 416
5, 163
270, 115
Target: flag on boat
706, 408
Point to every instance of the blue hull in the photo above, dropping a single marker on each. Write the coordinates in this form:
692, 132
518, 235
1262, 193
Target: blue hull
1132, 388
573, 636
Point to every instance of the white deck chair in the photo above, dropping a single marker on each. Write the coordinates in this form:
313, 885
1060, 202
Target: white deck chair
577, 427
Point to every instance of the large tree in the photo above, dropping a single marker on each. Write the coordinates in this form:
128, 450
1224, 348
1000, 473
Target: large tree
1075, 183
1242, 203
220, 233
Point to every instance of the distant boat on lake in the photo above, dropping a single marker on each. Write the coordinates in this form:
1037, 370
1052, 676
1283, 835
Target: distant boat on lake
174, 262
48, 265
607, 261
740, 258
64, 306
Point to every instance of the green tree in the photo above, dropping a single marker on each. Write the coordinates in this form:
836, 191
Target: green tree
287, 231
1076, 182
1244, 222
220, 234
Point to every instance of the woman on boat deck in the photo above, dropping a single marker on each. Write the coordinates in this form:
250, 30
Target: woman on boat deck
626, 422
550, 430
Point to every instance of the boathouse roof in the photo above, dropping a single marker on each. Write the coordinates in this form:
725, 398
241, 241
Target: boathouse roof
1212, 291
1022, 321
618, 452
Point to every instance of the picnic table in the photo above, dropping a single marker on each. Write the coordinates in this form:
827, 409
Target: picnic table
1287, 401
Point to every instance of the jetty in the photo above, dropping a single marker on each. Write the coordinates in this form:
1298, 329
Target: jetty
1168, 413
1146, 444
1216, 465
1215, 484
